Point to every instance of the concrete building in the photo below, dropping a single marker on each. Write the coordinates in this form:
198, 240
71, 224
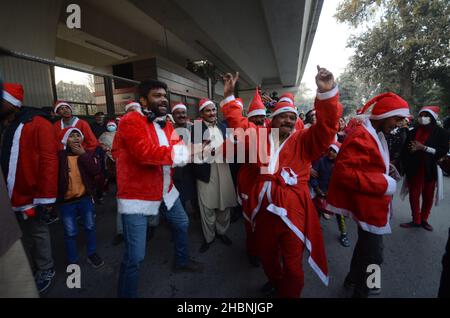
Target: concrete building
122, 42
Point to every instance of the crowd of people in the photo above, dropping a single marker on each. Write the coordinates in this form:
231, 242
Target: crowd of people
283, 175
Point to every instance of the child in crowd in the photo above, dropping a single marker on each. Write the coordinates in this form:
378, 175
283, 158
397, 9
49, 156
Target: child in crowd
77, 170
324, 167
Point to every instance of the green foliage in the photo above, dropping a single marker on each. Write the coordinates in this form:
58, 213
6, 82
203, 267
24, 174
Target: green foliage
401, 46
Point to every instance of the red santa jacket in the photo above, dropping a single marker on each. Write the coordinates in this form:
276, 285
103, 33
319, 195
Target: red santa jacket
145, 154
90, 141
33, 165
285, 181
360, 185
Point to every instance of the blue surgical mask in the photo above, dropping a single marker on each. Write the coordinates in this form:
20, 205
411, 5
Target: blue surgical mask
111, 128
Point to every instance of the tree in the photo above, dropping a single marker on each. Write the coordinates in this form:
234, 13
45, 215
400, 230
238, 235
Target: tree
401, 46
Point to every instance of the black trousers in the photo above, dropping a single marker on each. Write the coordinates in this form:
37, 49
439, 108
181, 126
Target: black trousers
444, 288
368, 250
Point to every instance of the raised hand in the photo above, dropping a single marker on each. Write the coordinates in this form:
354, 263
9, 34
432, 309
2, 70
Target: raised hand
324, 80
229, 82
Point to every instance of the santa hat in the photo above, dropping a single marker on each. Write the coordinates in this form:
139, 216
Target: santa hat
432, 110
13, 94
287, 97
132, 104
111, 123
203, 103
336, 146
257, 106
179, 106
59, 104
66, 133
240, 102
386, 105
283, 107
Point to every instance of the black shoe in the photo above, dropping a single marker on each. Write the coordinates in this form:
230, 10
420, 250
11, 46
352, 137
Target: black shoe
95, 261
191, 267
44, 279
253, 260
225, 239
409, 225
427, 226
204, 247
268, 290
117, 239
344, 240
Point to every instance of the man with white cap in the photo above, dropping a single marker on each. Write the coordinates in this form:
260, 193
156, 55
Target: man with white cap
424, 146
362, 185
281, 210
30, 165
65, 111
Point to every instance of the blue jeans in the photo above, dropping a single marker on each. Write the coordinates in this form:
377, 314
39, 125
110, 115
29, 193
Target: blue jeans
135, 234
69, 212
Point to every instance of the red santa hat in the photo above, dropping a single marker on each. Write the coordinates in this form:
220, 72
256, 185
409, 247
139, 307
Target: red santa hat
65, 133
335, 146
240, 102
257, 107
386, 105
283, 107
59, 104
111, 123
203, 103
179, 106
13, 94
432, 110
287, 97
132, 104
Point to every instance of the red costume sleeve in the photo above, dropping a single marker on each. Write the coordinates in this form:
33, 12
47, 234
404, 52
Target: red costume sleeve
232, 113
351, 168
137, 141
47, 187
90, 141
316, 139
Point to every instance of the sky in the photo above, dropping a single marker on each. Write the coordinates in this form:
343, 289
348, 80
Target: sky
66, 75
328, 49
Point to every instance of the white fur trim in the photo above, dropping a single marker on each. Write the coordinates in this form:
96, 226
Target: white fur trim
392, 185
131, 206
11, 99
171, 197
179, 106
23, 207
207, 103
429, 111
73, 124
134, 104
329, 94
283, 214
257, 112
381, 142
40, 201
227, 100
62, 104
402, 112
68, 132
13, 159
286, 109
380, 230
334, 147
286, 99
430, 150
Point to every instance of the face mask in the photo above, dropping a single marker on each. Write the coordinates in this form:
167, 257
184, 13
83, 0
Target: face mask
111, 128
424, 120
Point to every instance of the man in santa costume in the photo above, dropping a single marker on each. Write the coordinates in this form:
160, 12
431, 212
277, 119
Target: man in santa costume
424, 146
281, 210
361, 185
288, 97
30, 166
148, 151
65, 111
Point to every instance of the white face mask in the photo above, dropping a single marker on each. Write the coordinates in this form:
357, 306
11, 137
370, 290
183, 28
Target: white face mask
111, 128
424, 120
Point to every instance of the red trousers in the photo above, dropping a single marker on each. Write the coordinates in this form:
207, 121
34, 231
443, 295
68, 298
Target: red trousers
418, 186
280, 252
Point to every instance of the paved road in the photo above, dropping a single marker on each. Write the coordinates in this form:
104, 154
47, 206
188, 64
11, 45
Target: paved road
412, 261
